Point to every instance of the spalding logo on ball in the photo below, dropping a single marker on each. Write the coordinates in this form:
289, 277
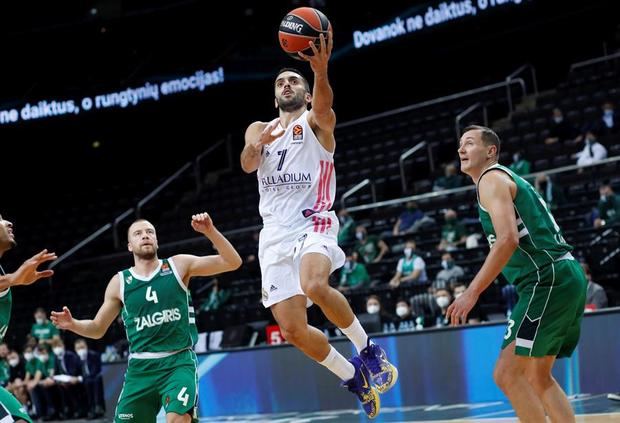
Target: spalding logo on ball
300, 26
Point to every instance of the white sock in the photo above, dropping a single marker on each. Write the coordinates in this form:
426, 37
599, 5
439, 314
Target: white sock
356, 334
338, 365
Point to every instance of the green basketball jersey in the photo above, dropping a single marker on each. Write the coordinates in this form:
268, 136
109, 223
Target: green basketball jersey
6, 301
540, 237
157, 310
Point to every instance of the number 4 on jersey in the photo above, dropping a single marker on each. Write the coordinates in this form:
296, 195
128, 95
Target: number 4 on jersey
183, 397
151, 295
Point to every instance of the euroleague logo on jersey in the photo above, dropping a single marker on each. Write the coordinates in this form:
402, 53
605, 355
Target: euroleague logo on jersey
298, 133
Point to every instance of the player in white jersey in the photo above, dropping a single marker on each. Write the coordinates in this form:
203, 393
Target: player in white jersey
298, 248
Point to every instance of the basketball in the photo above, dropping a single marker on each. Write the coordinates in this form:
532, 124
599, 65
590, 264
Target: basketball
300, 26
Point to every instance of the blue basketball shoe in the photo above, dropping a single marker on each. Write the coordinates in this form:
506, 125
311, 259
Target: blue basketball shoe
361, 386
384, 375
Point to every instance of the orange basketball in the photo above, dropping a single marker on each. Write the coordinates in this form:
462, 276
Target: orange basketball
300, 26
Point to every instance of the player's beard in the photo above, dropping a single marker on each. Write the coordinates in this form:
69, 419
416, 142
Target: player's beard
149, 254
294, 103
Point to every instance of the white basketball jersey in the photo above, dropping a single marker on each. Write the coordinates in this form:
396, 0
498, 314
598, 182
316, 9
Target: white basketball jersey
297, 181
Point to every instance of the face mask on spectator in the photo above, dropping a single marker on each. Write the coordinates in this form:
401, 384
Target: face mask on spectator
39, 320
359, 235
608, 112
443, 301
43, 358
372, 308
348, 265
402, 311
558, 119
447, 264
342, 219
28, 356
407, 251
516, 157
13, 362
58, 350
82, 353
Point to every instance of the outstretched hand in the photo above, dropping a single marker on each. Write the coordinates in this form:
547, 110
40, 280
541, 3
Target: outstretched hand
457, 311
267, 136
318, 61
202, 223
27, 273
62, 319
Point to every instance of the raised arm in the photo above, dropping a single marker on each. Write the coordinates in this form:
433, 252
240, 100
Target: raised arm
98, 326
27, 273
257, 136
321, 117
496, 191
227, 260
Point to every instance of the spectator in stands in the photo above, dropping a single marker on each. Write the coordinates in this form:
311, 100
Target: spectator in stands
443, 297
410, 269
608, 124
4, 365
90, 363
411, 220
510, 297
346, 233
67, 375
596, 298
453, 232
449, 274
369, 247
353, 274
217, 297
561, 130
43, 330
452, 179
592, 152
550, 192
16, 377
519, 164
424, 307
373, 306
40, 383
608, 207
405, 320
476, 315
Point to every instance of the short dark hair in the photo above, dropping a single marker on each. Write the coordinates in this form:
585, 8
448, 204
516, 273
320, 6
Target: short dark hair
489, 137
298, 72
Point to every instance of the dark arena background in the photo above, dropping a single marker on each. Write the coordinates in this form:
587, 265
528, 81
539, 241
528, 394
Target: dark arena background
112, 110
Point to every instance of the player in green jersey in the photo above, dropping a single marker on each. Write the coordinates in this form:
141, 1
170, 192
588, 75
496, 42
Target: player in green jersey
10, 409
528, 248
155, 303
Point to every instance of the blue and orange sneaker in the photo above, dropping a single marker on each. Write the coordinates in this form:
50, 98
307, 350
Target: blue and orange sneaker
384, 375
361, 386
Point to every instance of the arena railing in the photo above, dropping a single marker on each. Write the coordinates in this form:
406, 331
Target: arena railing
435, 194
196, 165
594, 61
356, 188
490, 87
409, 152
460, 116
512, 77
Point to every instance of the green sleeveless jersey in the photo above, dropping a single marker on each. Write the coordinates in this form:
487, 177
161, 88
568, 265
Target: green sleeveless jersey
157, 310
540, 238
6, 301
